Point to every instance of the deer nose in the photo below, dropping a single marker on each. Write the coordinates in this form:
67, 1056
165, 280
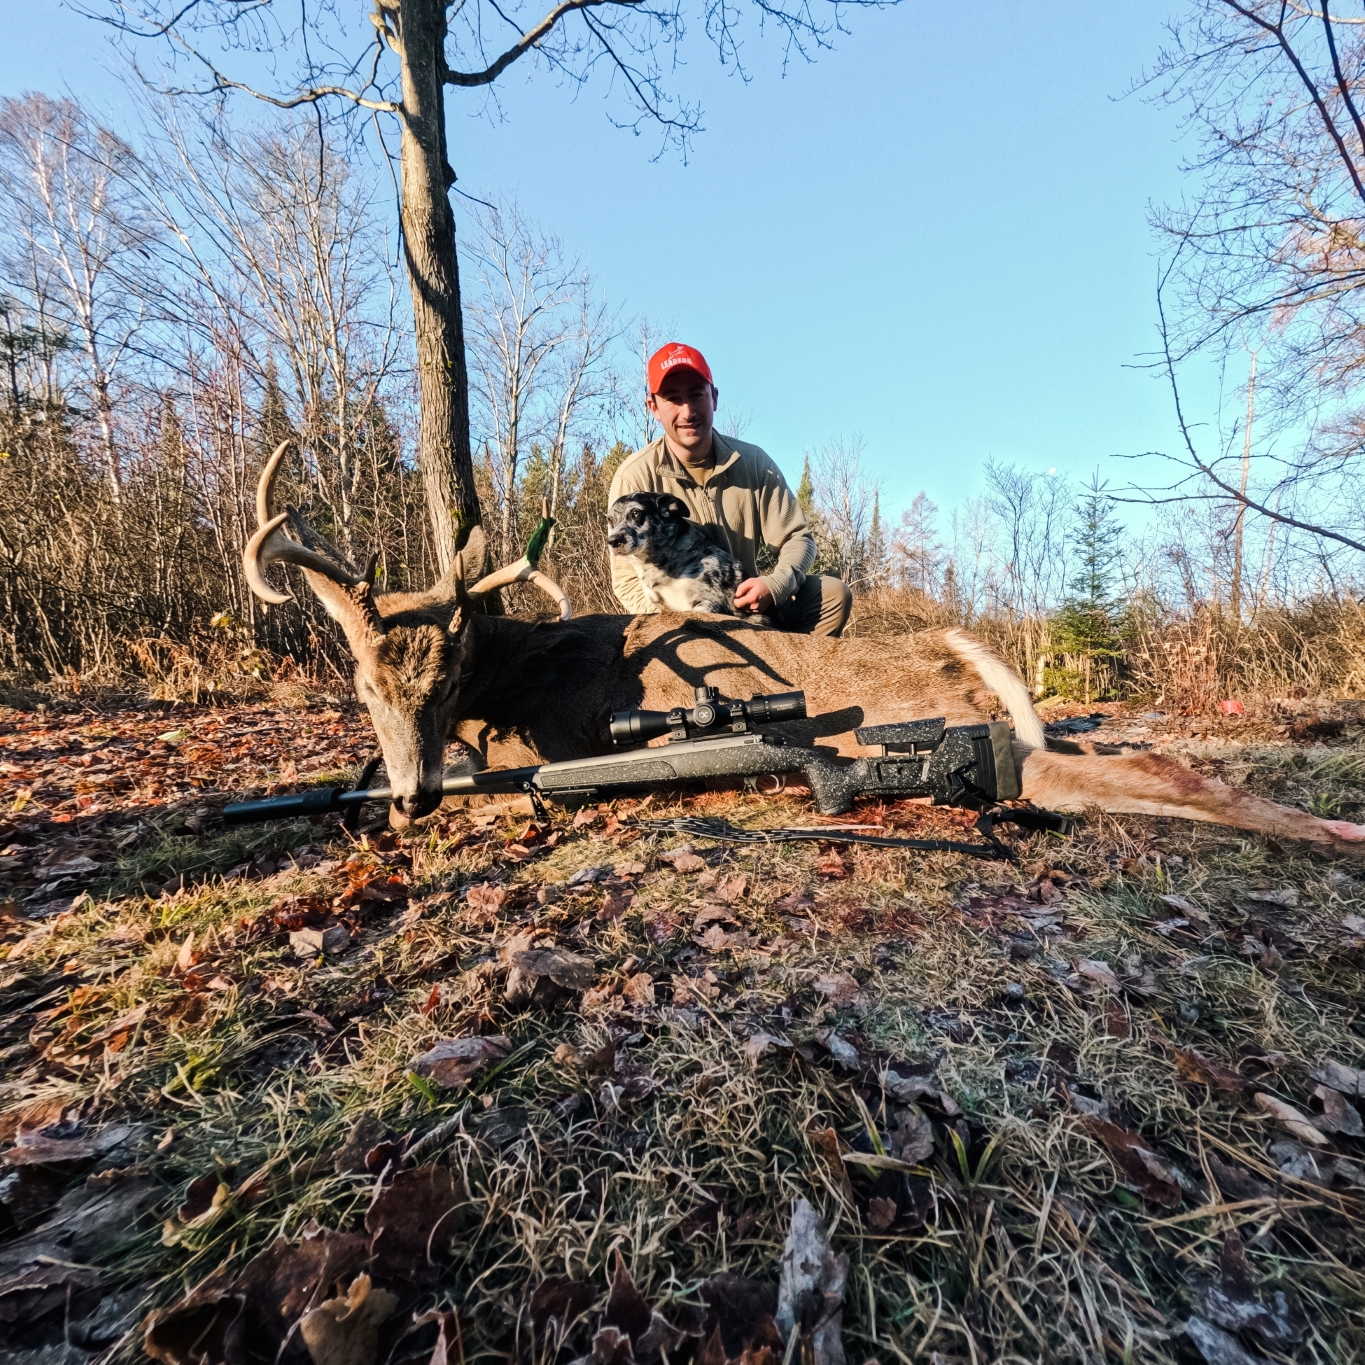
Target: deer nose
417, 804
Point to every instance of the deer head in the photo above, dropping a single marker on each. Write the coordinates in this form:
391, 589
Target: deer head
408, 647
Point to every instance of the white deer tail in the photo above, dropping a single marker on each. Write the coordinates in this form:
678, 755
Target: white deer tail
1004, 682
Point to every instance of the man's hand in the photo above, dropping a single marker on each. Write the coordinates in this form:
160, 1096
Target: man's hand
754, 595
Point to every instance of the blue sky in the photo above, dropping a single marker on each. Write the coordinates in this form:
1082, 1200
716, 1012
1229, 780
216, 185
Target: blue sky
934, 236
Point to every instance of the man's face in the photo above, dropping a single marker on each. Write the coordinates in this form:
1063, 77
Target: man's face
686, 408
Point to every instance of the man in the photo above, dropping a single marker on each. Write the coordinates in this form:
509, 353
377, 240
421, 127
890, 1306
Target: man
735, 493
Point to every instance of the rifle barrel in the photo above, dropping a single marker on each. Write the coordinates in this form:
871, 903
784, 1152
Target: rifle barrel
323, 800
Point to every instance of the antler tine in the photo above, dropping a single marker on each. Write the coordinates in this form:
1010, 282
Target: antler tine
522, 572
270, 545
266, 483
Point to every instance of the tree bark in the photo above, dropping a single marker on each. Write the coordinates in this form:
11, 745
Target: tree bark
443, 452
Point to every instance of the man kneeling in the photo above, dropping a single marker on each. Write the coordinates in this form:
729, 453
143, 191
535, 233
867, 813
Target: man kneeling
735, 494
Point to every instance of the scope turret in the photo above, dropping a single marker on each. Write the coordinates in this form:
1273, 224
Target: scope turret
712, 714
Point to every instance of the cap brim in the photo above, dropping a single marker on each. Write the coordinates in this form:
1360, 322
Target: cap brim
680, 369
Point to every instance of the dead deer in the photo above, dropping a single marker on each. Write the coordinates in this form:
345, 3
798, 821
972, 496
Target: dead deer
430, 668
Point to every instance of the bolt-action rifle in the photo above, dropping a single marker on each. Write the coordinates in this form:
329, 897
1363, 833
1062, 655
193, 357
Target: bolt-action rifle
957, 765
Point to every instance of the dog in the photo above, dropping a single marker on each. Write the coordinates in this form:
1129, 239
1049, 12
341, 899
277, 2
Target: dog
678, 567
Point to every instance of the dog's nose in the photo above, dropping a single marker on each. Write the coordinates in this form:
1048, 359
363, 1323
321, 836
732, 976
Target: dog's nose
616, 541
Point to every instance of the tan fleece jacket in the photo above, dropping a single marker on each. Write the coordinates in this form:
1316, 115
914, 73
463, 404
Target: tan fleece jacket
743, 501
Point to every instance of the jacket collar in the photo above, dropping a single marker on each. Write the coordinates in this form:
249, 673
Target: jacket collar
726, 456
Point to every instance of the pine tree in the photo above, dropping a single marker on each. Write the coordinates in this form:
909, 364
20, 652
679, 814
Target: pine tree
875, 567
272, 423
805, 491
1088, 625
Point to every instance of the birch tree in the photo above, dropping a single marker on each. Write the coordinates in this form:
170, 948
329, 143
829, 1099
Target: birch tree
76, 245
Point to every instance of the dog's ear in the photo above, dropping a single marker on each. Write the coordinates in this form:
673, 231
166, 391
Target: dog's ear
674, 508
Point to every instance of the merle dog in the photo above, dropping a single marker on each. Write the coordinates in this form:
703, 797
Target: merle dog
678, 567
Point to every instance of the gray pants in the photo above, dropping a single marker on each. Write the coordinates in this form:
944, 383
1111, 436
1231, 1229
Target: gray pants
820, 606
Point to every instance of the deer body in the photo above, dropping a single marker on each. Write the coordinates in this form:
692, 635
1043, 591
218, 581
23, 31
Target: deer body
431, 669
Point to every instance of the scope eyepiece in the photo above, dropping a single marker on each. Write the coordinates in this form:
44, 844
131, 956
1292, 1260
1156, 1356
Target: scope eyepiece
778, 706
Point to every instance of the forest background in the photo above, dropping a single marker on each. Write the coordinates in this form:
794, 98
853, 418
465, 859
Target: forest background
182, 293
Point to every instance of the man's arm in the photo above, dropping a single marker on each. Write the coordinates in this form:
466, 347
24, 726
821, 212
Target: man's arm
784, 528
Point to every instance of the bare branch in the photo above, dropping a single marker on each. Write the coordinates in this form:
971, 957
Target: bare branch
1231, 491
1329, 124
531, 38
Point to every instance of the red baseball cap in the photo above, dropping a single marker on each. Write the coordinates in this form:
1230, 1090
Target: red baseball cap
676, 356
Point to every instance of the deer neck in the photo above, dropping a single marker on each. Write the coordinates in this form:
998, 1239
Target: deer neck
556, 681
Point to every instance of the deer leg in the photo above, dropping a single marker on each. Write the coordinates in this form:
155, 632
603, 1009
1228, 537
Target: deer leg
1152, 784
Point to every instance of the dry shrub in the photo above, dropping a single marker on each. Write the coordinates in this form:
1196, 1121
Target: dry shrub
1191, 662
1021, 639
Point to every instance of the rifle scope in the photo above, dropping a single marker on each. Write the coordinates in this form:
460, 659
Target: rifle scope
712, 714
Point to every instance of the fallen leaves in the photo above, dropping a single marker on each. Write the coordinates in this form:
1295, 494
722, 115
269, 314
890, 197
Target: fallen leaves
1201, 1070
1346, 1079
841, 988
1099, 972
410, 1222
558, 1303
346, 1331
1298, 1123
1337, 1116
454, 1062
259, 1307
545, 976
485, 900
32, 1148
684, 859
1141, 1168
1231, 1301
1285, 897
639, 989
810, 1292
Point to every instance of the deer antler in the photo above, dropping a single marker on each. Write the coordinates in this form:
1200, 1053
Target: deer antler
310, 551
525, 570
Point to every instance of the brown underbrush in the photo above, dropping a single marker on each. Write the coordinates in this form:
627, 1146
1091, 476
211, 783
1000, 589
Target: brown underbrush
1184, 661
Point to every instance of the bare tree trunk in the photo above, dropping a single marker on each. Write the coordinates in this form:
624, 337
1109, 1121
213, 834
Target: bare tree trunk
1239, 526
105, 409
443, 453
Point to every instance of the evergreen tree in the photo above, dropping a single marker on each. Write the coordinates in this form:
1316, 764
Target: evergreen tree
805, 491
272, 422
874, 569
1088, 625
